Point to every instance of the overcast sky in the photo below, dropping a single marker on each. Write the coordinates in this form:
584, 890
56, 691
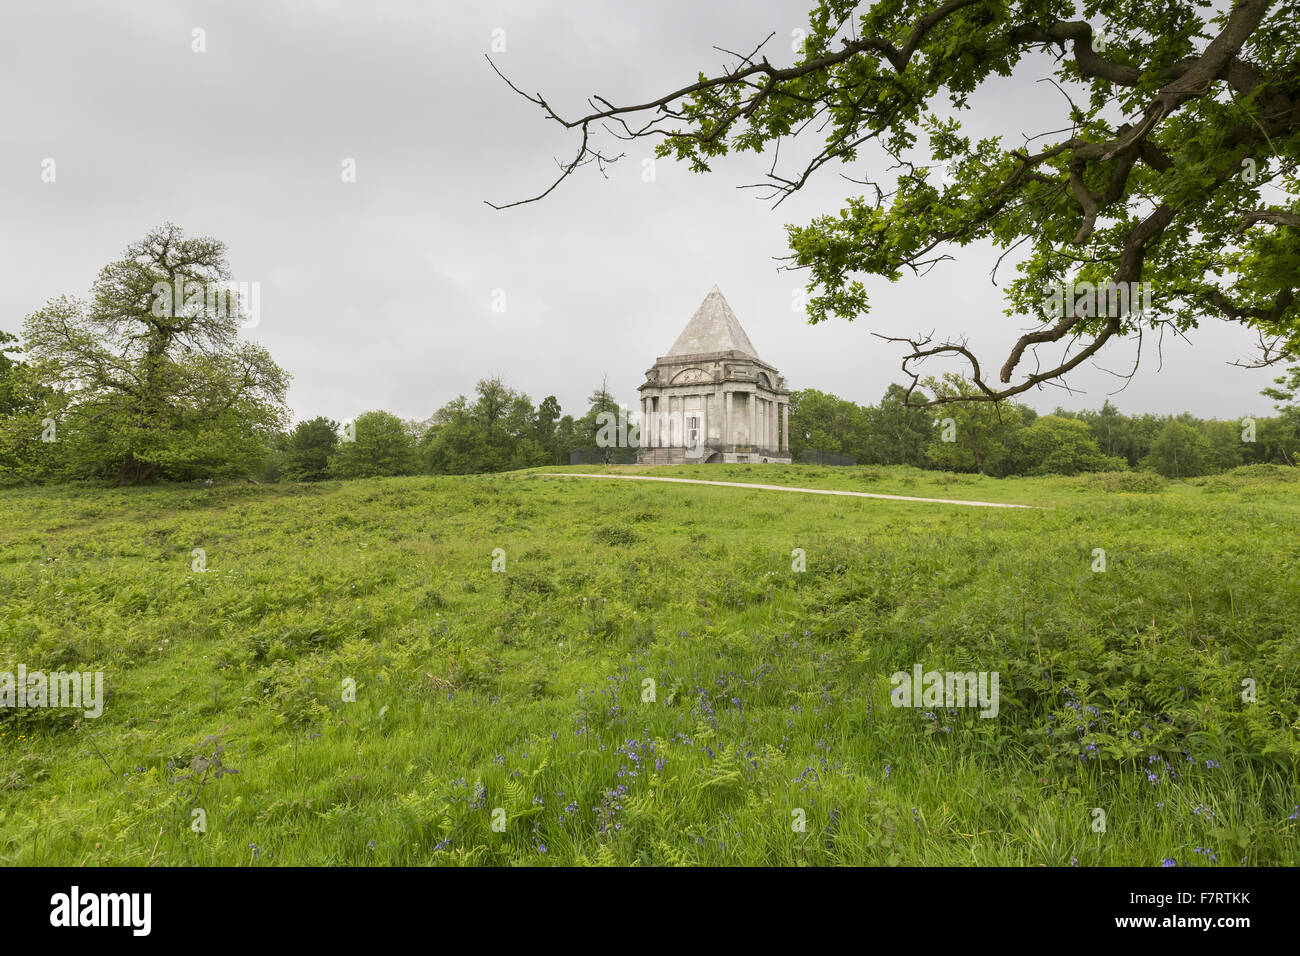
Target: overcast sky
379, 293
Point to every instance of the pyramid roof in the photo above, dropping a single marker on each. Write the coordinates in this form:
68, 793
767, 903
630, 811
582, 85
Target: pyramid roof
713, 328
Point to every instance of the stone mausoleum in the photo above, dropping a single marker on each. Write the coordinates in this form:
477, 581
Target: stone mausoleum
711, 398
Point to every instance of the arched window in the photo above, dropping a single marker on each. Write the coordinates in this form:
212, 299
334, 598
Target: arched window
763, 381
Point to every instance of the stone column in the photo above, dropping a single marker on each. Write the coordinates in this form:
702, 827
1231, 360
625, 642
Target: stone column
750, 398
686, 400
704, 421
685, 414
721, 411
774, 440
785, 427
727, 438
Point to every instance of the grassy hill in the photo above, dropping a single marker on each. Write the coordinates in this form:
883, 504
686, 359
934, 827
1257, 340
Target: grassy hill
525, 691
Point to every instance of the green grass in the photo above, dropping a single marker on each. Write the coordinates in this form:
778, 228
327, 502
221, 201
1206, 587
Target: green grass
525, 690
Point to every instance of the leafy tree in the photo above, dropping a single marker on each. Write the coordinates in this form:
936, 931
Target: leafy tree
308, 450
383, 446
824, 422
1111, 429
1180, 451
1224, 441
568, 436
1054, 445
499, 431
1117, 434
1278, 439
26, 454
11, 392
599, 402
272, 469
150, 376
1173, 163
1285, 388
982, 435
548, 418
453, 444
896, 433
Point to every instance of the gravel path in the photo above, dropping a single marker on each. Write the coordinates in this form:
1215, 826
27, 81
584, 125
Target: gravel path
806, 491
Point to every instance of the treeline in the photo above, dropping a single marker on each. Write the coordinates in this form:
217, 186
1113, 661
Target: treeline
498, 430
1013, 439
148, 379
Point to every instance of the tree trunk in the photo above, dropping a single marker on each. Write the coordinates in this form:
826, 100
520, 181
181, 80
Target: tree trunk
134, 471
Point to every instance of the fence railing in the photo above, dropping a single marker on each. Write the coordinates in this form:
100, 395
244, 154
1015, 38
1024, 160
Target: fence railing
811, 456
602, 456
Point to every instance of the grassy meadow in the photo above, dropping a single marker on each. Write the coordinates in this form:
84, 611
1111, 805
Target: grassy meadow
519, 698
